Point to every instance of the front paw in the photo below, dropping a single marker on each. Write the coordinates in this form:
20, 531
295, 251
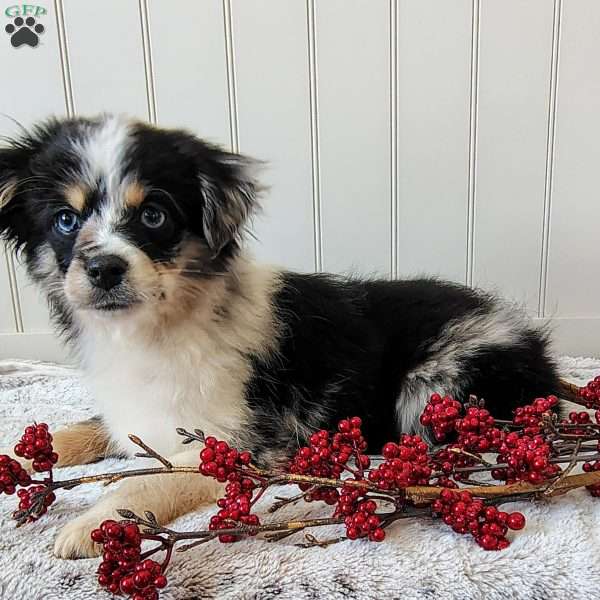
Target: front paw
74, 541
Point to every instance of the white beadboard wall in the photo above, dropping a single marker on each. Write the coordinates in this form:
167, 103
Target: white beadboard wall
403, 136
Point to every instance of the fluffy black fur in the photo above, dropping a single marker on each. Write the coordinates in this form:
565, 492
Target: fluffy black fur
359, 340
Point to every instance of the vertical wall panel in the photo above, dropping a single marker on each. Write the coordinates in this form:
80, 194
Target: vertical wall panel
485, 156
106, 55
7, 320
573, 283
189, 67
34, 308
35, 91
434, 55
353, 68
270, 43
513, 99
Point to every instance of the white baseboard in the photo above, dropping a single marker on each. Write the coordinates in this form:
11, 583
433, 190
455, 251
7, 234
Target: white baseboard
572, 336
33, 346
575, 336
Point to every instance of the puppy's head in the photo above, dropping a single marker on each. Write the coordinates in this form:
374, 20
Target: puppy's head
112, 215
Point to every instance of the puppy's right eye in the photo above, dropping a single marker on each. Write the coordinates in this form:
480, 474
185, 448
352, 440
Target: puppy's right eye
66, 222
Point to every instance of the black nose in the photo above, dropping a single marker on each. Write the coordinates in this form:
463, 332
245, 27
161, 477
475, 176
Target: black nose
106, 271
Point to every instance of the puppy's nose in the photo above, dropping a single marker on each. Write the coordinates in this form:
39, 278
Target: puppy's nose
106, 271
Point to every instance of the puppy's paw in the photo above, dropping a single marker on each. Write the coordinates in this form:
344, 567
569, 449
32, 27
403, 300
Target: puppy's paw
74, 541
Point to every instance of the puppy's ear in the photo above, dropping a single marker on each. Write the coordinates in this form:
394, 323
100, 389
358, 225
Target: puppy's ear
229, 192
14, 159
17, 173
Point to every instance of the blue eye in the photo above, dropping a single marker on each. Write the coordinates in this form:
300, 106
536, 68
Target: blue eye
153, 217
66, 222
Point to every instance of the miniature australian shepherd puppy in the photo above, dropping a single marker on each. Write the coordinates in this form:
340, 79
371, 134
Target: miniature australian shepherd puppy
134, 233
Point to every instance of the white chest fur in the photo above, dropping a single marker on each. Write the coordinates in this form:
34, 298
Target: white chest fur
150, 389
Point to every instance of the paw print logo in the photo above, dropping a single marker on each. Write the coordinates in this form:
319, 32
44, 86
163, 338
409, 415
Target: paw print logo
24, 31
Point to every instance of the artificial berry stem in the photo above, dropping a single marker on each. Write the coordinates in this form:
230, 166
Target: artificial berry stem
412, 493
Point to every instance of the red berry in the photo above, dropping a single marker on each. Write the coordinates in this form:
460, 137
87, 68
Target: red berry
12, 474
142, 578
222, 447
516, 521
407, 463
356, 422
114, 530
591, 394
97, 536
36, 445
488, 542
441, 415
127, 585
503, 543
220, 461
344, 426
35, 500
207, 455
466, 514
121, 569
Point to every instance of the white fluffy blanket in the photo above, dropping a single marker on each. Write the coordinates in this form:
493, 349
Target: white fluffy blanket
556, 556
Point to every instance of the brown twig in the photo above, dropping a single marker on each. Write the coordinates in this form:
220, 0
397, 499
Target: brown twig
188, 437
150, 452
569, 391
312, 541
478, 459
108, 478
281, 535
565, 473
425, 494
281, 502
254, 529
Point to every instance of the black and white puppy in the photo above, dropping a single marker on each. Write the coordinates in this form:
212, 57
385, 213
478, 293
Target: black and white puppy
134, 233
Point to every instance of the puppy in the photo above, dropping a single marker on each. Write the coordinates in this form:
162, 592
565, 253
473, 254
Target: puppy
134, 233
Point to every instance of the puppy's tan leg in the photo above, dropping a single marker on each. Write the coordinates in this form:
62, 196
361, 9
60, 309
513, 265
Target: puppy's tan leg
167, 496
78, 444
81, 443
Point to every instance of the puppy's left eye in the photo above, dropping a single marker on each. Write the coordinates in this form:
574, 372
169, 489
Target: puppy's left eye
153, 217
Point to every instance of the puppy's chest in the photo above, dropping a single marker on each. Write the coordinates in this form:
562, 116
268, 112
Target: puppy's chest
150, 393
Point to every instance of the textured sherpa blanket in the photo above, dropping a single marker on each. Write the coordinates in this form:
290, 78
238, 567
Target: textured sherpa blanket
556, 556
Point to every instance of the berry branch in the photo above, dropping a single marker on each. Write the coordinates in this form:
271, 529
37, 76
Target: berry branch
411, 479
35, 500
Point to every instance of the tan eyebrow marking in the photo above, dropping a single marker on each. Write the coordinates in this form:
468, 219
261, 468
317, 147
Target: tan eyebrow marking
134, 194
75, 195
